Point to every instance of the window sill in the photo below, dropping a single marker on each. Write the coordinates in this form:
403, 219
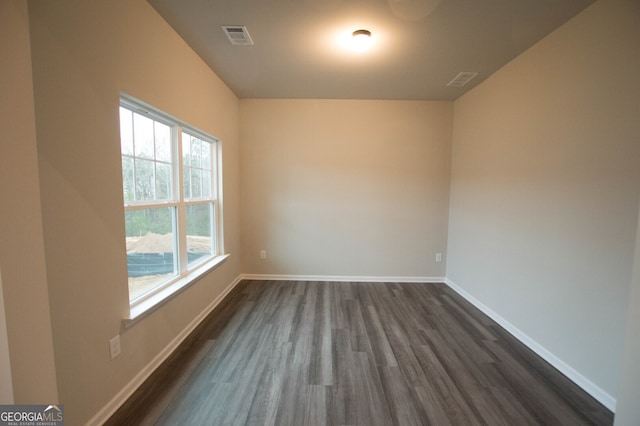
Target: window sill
147, 306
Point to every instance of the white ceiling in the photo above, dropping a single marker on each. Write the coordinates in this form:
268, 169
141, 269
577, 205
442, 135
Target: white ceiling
419, 45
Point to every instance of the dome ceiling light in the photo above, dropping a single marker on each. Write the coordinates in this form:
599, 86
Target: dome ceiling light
361, 40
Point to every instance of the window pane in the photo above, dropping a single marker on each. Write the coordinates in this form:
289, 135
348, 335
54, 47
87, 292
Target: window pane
187, 182
163, 181
199, 232
128, 186
126, 131
143, 136
206, 184
163, 142
186, 149
195, 152
151, 248
145, 181
196, 183
206, 155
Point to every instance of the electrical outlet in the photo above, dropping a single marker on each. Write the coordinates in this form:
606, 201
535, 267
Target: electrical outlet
438, 257
114, 346
263, 254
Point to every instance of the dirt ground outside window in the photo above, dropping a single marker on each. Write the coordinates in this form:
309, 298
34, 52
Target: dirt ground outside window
157, 243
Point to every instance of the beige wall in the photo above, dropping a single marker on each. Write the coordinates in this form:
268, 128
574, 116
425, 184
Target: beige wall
24, 281
544, 189
628, 409
345, 188
6, 384
84, 55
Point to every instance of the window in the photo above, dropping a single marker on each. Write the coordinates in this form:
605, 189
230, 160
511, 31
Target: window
170, 185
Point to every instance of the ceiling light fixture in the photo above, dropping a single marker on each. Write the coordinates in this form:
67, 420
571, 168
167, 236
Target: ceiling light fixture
361, 40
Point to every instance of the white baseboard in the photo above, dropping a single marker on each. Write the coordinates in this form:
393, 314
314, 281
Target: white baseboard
343, 278
121, 397
587, 385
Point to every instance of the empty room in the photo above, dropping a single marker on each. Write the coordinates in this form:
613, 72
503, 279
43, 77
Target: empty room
230, 212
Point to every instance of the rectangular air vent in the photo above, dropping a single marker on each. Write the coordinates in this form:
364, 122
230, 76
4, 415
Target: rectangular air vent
238, 35
461, 79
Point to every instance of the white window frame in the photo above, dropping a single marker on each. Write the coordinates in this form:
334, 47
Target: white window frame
186, 275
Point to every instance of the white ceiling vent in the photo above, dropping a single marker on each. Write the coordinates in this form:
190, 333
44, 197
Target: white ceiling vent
461, 79
238, 35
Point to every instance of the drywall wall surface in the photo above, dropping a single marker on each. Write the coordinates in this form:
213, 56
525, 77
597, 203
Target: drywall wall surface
24, 280
345, 187
544, 189
627, 408
85, 54
6, 385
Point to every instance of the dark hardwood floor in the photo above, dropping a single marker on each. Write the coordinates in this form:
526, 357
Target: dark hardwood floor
318, 353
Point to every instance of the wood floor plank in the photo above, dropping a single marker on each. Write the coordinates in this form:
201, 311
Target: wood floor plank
542, 400
404, 408
335, 353
440, 383
514, 411
468, 319
321, 368
381, 348
264, 407
369, 401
